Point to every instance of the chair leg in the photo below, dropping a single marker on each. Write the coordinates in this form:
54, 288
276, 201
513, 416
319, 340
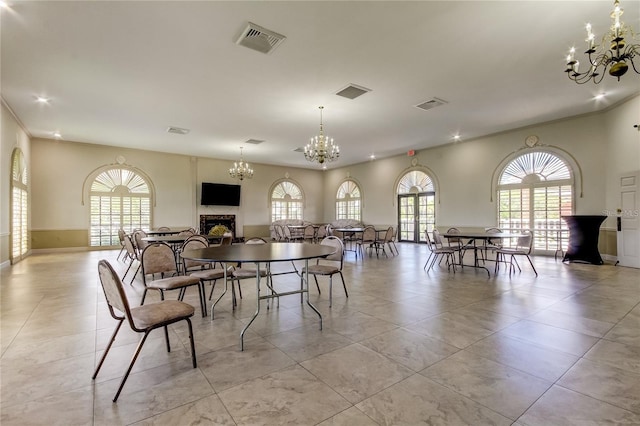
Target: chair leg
104, 355
144, 295
133, 360
317, 285
213, 285
193, 345
330, 290
531, 263
343, 284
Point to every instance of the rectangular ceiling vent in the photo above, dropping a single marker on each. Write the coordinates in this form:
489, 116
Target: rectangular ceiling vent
261, 39
254, 141
352, 91
431, 103
177, 130
299, 149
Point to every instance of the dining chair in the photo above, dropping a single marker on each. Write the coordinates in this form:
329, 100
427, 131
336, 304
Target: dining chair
523, 247
457, 243
164, 228
394, 238
159, 258
121, 236
367, 241
309, 234
490, 244
439, 251
132, 255
328, 266
386, 240
247, 272
142, 319
138, 241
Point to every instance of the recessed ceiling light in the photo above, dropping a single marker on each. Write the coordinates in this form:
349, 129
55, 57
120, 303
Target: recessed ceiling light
456, 137
42, 99
57, 135
372, 156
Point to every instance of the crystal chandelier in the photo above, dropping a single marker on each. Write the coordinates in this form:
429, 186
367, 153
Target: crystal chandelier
613, 52
241, 170
321, 148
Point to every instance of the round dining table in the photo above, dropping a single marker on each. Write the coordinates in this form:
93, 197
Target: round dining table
262, 253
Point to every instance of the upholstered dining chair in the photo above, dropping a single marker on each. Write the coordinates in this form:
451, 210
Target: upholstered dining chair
386, 240
309, 234
243, 273
160, 259
164, 228
490, 244
142, 319
367, 241
523, 247
439, 251
132, 255
121, 236
457, 243
329, 266
138, 241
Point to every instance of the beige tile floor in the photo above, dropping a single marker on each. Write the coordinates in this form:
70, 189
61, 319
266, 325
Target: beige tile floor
407, 347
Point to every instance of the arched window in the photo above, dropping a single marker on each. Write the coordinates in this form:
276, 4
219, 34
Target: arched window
19, 207
286, 201
416, 206
534, 190
348, 201
119, 197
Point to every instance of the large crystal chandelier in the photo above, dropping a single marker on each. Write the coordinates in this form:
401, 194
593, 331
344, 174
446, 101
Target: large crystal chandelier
321, 148
241, 170
613, 52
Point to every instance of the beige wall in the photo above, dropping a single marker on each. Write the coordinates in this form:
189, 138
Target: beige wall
603, 145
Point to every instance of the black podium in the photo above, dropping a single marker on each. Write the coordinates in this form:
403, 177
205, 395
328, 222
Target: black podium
583, 239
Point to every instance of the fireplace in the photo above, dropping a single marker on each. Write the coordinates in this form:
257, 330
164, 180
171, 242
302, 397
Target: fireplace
208, 221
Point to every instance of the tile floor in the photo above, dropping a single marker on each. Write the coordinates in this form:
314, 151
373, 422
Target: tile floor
407, 347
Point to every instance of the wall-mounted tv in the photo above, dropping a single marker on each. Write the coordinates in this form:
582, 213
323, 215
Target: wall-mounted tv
220, 194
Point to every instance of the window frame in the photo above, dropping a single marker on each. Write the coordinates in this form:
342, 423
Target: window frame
289, 206
349, 206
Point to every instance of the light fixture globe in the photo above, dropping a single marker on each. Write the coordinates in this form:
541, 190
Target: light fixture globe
321, 148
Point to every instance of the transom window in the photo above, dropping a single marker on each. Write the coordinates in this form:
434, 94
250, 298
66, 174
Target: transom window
119, 198
416, 206
348, 201
286, 201
19, 207
534, 191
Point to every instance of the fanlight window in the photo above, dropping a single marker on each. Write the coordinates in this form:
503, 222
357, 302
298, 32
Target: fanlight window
119, 198
348, 201
535, 167
415, 181
286, 201
535, 190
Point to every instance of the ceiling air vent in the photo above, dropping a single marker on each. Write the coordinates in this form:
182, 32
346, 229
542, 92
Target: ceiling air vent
177, 130
254, 141
431, 103
261, 39
299, 149
352, 91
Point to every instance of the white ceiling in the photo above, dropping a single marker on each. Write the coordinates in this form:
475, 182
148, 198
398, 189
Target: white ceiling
120, 73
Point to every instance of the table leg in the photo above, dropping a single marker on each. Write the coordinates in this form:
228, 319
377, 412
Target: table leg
257, 306
223, 293
306, 289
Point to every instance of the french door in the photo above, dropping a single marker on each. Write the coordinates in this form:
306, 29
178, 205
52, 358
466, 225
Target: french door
416, 214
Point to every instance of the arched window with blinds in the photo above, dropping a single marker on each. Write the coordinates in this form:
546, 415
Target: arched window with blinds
348, 201
19, 207
119, 198
534, 191
286, 201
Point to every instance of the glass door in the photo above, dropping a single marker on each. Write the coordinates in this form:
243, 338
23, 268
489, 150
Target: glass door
416, 214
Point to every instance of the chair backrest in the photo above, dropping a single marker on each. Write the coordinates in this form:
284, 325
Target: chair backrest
226, 240
310, 231
388, 236
158, 258
121, 235
430, 243
437, 238
138, 236
336, 242
164, 228
256, 240
369, 234
130, 248
113, 291
186, 233
454, 241
198, 237
493, 230
193, 244
322, 231
525, 242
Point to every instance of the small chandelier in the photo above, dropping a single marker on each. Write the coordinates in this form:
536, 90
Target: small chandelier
321, 148
614, 57
241, 170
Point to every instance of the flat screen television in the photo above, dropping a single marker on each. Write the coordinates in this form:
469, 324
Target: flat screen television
219, 194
